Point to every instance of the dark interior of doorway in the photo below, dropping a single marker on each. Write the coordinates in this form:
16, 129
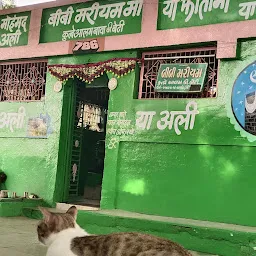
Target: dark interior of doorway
88, 142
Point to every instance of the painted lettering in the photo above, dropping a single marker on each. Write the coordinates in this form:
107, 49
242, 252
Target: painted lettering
119, 125
14, 26
170, 8
144, 120
78, 46
247, 9
90, 14
86, 46
169, 119
12, 120
61, 17
190, 8
168, 72
74, 33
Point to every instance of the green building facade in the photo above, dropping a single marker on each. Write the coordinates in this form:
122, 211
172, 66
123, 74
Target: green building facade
83, 122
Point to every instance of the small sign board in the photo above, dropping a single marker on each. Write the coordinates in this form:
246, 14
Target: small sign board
179, 77
14, 29
90, 45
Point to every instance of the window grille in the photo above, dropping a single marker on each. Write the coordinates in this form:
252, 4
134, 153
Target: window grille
23, 81
153, 60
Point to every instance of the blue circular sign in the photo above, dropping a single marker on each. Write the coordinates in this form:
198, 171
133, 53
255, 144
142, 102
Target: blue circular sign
244, 99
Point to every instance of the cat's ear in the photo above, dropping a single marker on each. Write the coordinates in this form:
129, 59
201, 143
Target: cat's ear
46, 214
72, 211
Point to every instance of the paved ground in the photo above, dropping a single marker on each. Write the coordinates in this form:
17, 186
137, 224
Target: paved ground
18, 238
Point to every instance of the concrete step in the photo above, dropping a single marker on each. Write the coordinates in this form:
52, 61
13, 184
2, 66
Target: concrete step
207, 238
10, 207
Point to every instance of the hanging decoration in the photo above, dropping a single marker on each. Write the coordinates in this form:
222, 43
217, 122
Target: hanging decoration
88, 72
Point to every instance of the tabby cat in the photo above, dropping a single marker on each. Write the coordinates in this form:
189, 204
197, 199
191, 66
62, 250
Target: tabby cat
62, 235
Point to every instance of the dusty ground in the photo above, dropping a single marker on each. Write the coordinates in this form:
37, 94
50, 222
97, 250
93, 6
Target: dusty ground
18, 238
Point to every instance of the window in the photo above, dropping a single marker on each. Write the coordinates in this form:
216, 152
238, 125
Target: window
23, 81
151, 64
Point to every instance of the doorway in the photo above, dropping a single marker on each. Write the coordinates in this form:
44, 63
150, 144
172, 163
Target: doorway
88, 142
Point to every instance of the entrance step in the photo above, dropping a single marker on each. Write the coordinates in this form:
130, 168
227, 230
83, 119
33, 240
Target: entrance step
10, 207
65, 207
208, 238
34, 213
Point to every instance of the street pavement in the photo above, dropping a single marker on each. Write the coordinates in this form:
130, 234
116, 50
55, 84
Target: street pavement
18, 238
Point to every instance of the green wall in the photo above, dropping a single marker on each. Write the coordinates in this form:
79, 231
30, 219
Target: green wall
206, 173
39, 165
31, 164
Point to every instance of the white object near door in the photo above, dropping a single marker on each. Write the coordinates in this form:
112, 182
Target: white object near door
112, 84
58, 86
